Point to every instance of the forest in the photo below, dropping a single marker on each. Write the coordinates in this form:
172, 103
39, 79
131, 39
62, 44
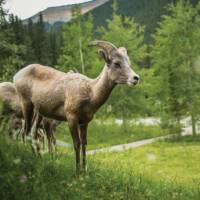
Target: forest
165, 51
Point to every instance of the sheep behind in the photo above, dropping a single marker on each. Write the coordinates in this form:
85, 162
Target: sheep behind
11, 110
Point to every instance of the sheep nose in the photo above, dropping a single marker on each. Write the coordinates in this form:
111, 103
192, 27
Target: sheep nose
136, 79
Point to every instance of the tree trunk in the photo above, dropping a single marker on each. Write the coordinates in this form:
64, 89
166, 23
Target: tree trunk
81, 57
178, 126
193, 125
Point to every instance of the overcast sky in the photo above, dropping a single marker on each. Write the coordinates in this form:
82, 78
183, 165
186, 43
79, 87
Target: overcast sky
27, 8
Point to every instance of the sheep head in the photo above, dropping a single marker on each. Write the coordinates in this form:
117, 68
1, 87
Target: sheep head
117, 61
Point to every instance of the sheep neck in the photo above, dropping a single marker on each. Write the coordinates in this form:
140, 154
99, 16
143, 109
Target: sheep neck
102, 87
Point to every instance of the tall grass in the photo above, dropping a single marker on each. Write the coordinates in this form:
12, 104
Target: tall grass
110, 176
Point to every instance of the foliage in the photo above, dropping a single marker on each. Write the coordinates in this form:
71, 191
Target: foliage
174, 54
2, 12
54, 46
10, 51
42, 45
125, 31
41, 48
24, 44
145, 12
75, 54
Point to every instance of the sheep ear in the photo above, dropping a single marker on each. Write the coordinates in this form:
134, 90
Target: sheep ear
105, 56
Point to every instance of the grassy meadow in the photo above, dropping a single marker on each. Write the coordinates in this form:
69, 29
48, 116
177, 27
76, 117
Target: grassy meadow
163, 170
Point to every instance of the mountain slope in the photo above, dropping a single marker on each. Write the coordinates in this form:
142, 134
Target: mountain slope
145, 12
57, 14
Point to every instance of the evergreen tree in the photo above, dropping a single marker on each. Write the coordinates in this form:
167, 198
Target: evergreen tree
174, 53
11, 53
40, 42
2, 13
17, 29
122, 30
54, 46
29, 42
75, 53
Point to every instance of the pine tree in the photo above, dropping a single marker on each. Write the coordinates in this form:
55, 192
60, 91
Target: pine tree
17, 29
75, 53
40, 42
11, 53
30, 56
175, 50
2, 13
54, 46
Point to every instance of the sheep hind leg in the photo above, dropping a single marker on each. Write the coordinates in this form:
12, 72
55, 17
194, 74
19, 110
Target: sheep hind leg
36, 135
73, 126
54, 142
42, 138
48, 132
83, 135
21, 130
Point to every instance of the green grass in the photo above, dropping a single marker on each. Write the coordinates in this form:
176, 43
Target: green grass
175, 162
106, 134
161, 171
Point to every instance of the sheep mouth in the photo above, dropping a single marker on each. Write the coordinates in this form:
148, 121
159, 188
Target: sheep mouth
132, 83
127, 82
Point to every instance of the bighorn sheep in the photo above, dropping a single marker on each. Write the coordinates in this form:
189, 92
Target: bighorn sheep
73, 97
10, 104
10, 100
11, 107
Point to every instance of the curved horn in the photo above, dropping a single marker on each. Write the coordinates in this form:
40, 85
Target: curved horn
106, 46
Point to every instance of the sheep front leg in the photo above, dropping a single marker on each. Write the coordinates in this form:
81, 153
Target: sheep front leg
49, 133
27, 108
83, 135
73, 127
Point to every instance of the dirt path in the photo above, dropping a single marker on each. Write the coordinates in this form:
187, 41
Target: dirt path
63, 144
117, 148
132, 145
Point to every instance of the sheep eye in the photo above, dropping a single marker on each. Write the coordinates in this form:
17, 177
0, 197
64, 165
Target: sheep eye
117, 65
